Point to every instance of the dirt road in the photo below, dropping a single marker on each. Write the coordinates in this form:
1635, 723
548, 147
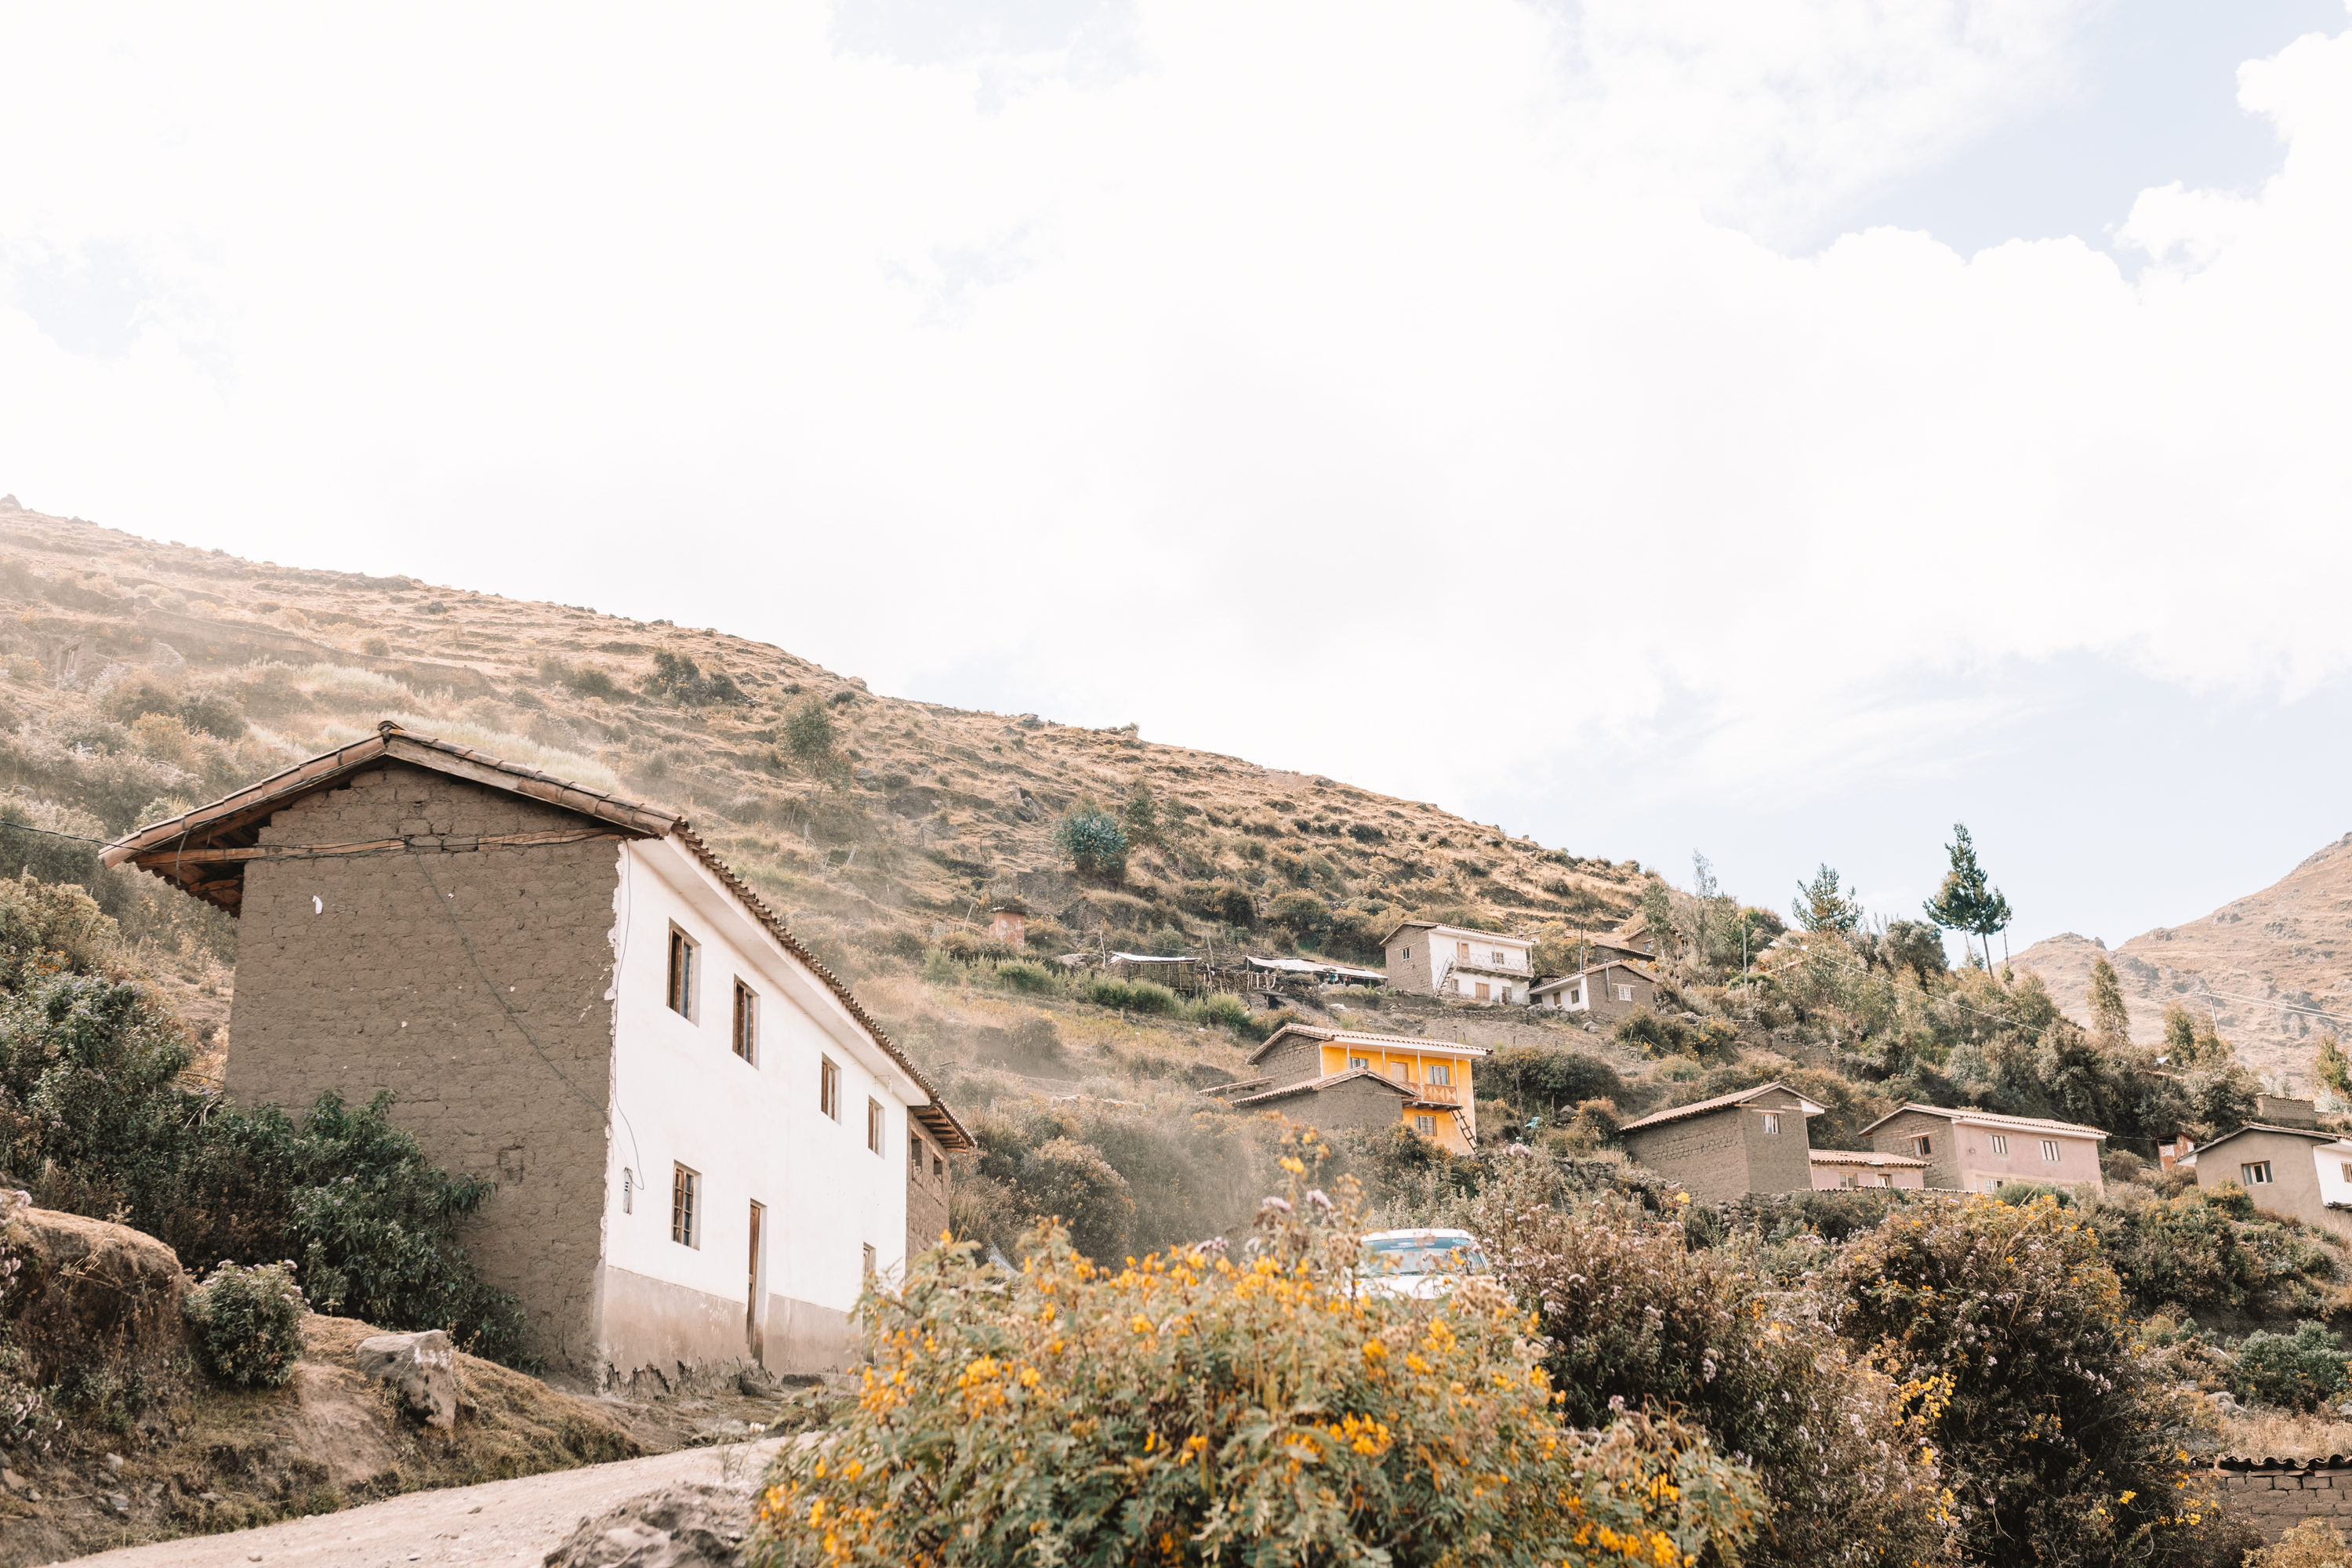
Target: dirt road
515, 1522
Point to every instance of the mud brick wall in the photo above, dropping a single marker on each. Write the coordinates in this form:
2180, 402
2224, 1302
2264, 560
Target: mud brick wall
371, 988
927, 1194
1706, 1153
2274, 1499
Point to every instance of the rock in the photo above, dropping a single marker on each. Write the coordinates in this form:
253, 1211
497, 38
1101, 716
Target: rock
114, 1463
757, 1382
423, 1367
13, 1482
675, 1527
118, 1502
88, 1294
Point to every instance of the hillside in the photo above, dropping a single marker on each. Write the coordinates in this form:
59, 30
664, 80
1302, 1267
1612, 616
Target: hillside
2250, 961
923, 816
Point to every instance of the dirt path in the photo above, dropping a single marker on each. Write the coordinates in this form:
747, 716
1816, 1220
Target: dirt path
516, 1523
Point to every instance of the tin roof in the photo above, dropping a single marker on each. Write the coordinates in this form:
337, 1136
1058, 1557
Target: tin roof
205, 851
1318, 1085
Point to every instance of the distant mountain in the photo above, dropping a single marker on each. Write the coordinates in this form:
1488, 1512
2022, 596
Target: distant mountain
2252, 963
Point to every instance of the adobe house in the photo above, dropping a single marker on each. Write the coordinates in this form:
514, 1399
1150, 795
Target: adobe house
2298, 1172
1837, 1168
1976, 1151
702, 1142
1346, 1077
1607, 990
1432, 960
1729, 1146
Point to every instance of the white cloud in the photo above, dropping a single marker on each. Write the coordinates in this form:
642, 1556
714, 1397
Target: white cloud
1425, 357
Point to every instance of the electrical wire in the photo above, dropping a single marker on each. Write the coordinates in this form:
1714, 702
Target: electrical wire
52, 833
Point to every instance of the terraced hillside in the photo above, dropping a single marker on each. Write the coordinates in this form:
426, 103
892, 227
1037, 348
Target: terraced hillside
145, 675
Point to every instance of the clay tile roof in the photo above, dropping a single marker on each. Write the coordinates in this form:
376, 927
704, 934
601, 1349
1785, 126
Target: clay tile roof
1864, 1157
1366, 1037
1318, 1085
1988, 1119
205, 852
1720, 1102
2313, 1133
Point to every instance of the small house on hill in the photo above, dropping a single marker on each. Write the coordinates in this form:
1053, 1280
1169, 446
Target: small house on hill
1729, 1146
1346, 1077
1606, 990
702, 1142
1976, 1151
2299, 1172
1434, 960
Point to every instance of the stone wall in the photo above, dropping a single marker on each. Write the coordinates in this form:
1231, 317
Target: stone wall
2275, 1497
1777, 1162
352, 976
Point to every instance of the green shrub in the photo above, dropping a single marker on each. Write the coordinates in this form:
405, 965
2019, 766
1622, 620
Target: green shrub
1224, 1010
939, 967
1300, 912
1105, 992
2313, 1544
2300, 1370
1636, 1318
93, 1117
1199, 1408
249, 1324
2058, 1442
1024, 975
808, 732
2208, 1248
1092, 840
1149, 997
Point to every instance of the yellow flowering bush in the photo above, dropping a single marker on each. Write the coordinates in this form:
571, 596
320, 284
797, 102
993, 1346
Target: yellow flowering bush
2060, 1436
1196, 1406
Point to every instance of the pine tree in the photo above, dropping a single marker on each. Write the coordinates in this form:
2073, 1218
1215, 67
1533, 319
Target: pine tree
2179, 1034
1820, 905
2110, 1020
1967, 901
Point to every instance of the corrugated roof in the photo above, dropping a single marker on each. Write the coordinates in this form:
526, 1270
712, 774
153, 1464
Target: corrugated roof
1642, 969
189, 850
1989, 1118
2313, 1133
1720, 1102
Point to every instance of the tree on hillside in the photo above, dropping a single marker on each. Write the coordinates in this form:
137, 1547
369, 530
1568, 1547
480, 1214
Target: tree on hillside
2331, 1069
809, 734
2189, 1041
1967, 902
2110, 1020
1822, 906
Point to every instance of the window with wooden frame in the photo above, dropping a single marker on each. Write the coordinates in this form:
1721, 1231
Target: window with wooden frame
1426, 1125
1772, 1122
1922, 1147
1357, 1063
2000, 1145
1441, 1072
915, 1153
874, 1125
684, 954
2050, 1151
683, 1193
746, 1034
2257, 1174
828, 1087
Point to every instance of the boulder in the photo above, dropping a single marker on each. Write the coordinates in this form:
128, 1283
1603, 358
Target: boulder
87, 1292
423, 1367
676, 1527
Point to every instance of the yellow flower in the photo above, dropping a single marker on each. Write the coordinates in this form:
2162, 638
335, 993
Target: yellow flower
1140, 1323
1294, 1166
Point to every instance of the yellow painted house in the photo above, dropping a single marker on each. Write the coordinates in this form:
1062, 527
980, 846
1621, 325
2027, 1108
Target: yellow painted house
1349, 1077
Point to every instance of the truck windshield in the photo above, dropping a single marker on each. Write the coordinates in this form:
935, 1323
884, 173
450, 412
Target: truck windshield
1423, 1255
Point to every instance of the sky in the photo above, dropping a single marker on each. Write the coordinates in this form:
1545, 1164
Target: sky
1776, 430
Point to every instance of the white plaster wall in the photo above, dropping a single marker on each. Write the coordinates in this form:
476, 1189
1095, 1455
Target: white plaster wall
752, 1130
2332, 1159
